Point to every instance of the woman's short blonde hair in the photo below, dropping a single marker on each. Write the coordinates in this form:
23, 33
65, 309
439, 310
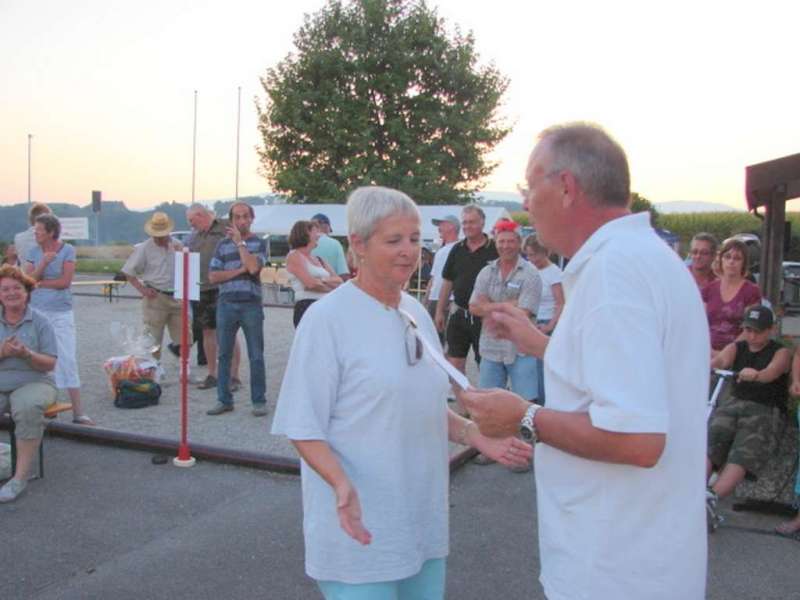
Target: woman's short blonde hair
367, 206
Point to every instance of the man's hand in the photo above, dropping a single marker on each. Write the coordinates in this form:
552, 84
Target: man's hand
511, 323
234, 234
496, 412
148, 292
748, 374
439, 321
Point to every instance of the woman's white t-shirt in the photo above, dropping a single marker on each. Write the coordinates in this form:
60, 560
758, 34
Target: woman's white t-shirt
550, 275
348, 382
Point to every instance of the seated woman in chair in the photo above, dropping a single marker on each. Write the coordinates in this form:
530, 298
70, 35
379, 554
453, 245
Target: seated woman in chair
27, 356
742, 431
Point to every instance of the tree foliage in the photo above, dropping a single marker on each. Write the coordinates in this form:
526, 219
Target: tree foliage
378, 92
640, 204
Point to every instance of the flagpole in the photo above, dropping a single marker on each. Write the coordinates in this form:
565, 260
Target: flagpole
238, 129
30, 137
194, 145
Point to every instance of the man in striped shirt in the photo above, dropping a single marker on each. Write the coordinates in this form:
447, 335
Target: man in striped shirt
235, 268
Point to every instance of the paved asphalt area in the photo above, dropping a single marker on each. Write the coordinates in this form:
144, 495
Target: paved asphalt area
107, 523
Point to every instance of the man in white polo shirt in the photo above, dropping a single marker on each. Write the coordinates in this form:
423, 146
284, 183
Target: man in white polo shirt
620, 464
449, 227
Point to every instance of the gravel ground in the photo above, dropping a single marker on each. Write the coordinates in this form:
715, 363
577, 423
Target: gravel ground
97, 320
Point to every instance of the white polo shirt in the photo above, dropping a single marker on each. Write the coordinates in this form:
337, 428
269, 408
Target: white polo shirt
631, 349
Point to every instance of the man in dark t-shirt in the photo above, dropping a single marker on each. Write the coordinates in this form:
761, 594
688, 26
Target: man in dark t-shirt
465, 261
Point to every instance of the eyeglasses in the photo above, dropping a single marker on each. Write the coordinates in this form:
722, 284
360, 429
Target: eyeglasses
412, 342
696, 252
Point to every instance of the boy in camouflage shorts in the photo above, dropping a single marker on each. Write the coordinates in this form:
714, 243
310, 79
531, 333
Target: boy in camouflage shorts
742, 431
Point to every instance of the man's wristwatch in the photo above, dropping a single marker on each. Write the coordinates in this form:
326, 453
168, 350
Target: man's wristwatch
242, 244
527, 428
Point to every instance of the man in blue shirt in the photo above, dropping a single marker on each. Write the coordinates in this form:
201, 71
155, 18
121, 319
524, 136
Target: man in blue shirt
329, 249
235, 268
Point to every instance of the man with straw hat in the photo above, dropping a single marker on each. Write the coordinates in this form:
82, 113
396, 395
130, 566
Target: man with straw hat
151, 270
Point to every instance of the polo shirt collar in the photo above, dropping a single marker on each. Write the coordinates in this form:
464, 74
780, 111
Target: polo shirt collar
486, 241
495, 264
28, 316
628, 223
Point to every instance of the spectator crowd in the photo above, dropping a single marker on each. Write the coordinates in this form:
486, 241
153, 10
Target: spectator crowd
604, 363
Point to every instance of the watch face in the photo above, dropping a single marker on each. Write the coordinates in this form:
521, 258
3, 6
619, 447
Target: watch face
526, 433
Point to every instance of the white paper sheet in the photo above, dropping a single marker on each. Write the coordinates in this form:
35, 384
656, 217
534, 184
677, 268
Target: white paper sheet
194, 276
454, 374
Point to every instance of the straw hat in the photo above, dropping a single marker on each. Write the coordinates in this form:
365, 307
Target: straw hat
159, 225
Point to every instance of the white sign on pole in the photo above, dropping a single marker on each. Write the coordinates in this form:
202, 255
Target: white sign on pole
194, 276
74, 228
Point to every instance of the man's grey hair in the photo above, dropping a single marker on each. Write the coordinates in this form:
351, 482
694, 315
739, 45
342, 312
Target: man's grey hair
593, 157
197, 207
475, 209
709, 238
367, 206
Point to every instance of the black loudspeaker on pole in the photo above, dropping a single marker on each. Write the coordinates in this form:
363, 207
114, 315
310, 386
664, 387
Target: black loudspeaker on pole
97, 198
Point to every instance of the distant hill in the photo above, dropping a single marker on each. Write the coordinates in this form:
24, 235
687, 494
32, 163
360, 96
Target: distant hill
694, 207
118, 224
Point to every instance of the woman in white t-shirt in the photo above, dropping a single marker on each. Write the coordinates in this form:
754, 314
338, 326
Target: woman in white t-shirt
552, 301
364, 404
310, 276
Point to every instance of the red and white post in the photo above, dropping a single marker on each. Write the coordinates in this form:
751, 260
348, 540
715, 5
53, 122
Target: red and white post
184, 458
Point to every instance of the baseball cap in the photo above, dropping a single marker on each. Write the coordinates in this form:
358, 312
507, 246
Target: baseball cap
447, 219
758, 317
322, 218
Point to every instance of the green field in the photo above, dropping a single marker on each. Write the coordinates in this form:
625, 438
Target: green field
98, 265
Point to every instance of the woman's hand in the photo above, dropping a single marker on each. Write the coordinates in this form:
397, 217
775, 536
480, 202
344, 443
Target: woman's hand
508, 451
14, 347
48, 257
349, 510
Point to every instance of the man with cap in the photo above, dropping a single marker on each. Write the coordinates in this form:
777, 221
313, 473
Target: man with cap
328, 248
151, 270
449, 228
741, 435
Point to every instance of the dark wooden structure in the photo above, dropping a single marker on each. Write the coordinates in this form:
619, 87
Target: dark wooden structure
769, 185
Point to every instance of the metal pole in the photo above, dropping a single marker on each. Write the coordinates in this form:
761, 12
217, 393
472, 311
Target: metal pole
194, 144
238, 129
184, 458
30, 136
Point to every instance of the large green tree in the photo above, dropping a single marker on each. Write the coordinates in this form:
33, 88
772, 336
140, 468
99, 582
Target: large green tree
379, 92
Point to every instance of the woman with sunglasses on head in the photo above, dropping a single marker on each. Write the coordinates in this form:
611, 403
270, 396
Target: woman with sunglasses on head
372, 423
51, 263
727, 297
310, 276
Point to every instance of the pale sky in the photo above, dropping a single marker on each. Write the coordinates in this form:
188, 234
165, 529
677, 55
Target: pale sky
694, 91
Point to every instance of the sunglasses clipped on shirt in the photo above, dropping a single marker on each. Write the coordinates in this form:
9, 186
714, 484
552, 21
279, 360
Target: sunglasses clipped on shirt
412, 342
